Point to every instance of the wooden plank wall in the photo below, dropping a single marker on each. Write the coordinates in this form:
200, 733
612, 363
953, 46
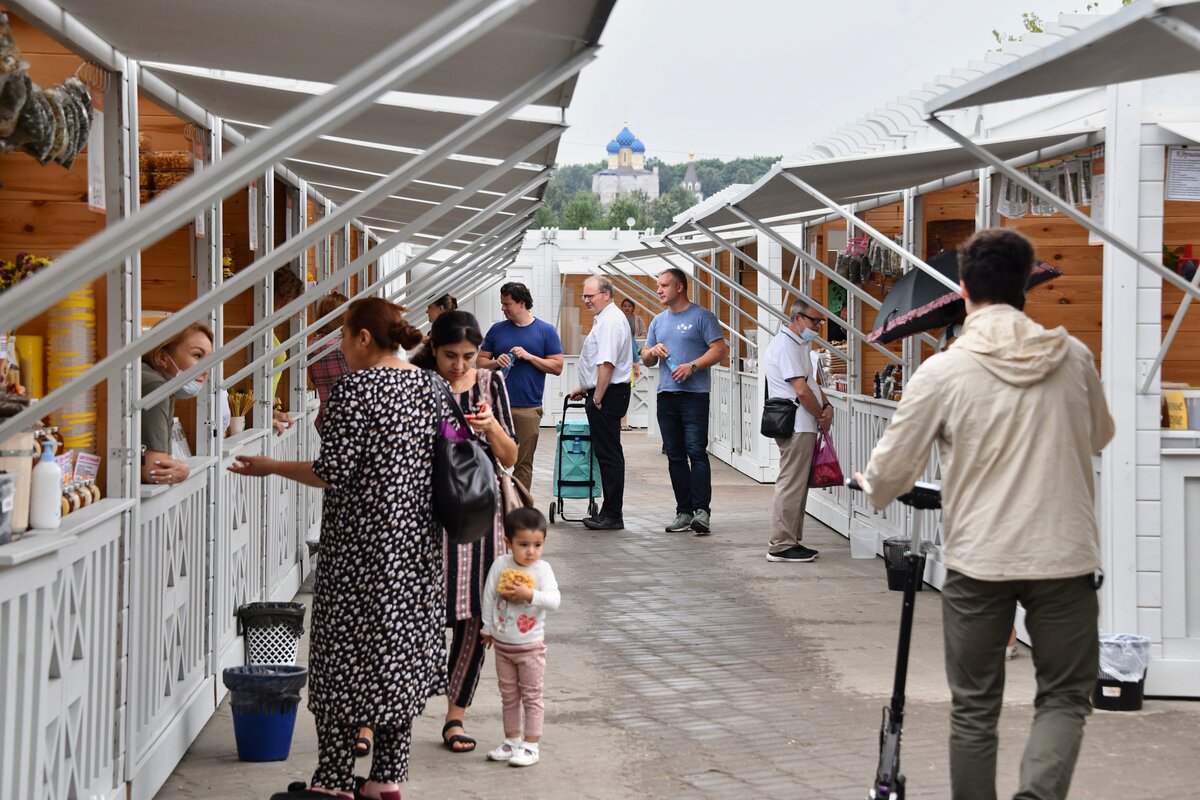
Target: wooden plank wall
43, 209
1181, 227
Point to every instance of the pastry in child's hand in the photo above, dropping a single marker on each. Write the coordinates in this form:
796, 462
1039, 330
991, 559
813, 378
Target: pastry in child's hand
512, 578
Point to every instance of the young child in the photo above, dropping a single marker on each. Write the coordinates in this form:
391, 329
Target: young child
520, 589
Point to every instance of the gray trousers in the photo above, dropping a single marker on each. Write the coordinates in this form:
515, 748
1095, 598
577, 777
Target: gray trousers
791, 491
977, 618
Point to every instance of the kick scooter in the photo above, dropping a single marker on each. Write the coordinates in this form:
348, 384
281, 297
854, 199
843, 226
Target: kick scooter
889, 780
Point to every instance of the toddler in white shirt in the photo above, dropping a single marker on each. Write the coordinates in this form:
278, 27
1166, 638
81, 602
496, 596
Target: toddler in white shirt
519, 590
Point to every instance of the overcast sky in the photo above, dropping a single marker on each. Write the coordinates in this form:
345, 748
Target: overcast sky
731, 78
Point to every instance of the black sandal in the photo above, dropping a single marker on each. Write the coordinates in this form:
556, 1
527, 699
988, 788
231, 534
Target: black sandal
457, 738
298, 790
362, 747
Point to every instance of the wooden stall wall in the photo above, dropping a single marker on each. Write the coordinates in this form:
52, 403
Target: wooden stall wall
748, 279
1181, 231
43, 209
572, 297
168, 269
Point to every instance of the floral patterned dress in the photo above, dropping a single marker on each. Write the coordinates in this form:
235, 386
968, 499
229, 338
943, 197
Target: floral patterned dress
378, 647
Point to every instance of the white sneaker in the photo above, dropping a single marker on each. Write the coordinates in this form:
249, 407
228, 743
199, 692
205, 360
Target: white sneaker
526, 755
505, 751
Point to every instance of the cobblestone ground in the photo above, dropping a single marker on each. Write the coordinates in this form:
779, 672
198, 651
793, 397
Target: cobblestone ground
690, 667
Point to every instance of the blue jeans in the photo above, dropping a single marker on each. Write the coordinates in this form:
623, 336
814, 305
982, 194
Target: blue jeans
683, 422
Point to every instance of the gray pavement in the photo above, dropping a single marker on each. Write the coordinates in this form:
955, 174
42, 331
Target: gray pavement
682, 666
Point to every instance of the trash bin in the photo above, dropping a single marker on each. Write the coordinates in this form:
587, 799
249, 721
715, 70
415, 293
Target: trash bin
271, 631
1122, 678
896, 564
264, 699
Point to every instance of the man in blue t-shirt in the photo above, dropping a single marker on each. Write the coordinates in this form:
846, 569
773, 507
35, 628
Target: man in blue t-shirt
687, 338
527, 349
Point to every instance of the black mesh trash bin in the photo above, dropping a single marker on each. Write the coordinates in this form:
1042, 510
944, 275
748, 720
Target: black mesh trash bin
894, 551
272, 631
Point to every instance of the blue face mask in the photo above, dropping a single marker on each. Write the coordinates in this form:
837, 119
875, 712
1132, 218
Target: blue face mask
189, 389
808, 335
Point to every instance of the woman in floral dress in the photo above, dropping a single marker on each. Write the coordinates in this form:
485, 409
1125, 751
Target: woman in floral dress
378, 644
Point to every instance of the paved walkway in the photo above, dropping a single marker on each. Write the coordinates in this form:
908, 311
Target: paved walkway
691, 667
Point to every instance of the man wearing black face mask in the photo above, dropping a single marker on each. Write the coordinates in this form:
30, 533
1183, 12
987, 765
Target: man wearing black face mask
788, 366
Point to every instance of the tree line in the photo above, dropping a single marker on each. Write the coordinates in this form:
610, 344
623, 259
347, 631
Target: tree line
570, 202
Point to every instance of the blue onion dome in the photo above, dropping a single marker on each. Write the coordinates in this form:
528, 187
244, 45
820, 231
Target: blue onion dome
625, 138
613, 148
638, 147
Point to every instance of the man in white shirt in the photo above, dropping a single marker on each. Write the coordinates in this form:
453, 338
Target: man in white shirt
788, 366
605, 365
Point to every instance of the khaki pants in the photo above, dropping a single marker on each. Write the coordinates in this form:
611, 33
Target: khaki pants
791, 490
977, 617
527, 422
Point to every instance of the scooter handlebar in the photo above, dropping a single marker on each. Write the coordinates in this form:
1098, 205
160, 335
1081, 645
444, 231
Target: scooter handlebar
922, 495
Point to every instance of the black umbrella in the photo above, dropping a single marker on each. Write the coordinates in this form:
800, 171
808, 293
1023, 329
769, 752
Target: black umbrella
919, 302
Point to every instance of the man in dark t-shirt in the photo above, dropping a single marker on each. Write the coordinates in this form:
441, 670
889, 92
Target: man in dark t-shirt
527, 349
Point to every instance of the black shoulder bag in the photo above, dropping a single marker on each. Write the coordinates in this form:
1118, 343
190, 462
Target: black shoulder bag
464, 481
778, 418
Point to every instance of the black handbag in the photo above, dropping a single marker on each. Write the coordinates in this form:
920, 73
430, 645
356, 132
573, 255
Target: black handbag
465, 491
778, 418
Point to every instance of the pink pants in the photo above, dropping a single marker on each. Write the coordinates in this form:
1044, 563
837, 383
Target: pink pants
519, 670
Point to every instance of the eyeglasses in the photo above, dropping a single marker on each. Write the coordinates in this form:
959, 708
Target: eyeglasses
588, 296
816, 321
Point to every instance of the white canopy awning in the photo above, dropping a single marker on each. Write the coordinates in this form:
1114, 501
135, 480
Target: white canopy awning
1187, 130
322, 41
402, 126
1132, 44
859, 177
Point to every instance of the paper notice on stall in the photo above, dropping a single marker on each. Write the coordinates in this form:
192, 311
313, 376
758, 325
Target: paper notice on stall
1183, 174
253, 193
66, 462
1177, 416
202, 217
1097, 214
95, 163
87, 467
1012, 201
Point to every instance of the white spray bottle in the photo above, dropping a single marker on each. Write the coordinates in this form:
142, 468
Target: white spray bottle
45, 495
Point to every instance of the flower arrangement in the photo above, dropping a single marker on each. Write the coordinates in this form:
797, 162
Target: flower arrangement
13, 272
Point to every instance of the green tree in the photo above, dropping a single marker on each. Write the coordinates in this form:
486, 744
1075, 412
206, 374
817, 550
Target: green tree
665, 207
583, 211
636, 205
545, 218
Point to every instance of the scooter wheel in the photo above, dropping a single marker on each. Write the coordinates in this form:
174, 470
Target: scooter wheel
550, 516
593, 509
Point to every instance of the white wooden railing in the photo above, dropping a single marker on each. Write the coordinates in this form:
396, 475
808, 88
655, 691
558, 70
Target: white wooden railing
114, 629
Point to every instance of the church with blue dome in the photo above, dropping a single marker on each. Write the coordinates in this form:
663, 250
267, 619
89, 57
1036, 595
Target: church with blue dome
626, 171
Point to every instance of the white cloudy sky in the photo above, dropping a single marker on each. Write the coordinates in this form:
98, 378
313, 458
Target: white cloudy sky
732, 78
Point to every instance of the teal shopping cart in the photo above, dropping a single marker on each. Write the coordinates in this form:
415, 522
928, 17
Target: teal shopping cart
576, 471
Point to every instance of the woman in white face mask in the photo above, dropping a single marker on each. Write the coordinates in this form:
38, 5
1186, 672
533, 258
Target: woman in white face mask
158, 366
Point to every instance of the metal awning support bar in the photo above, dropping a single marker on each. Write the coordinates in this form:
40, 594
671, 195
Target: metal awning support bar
742, 292
845, 214
789, 289
375, 286
411, 56
377, 251
1180, 29
1176, 321
614, 270
1032, 186
405, 290
246, 279
816, 264
721, 299
364, 202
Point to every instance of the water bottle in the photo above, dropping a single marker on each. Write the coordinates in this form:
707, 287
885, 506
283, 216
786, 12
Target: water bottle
576, 447
672, 364
512, 360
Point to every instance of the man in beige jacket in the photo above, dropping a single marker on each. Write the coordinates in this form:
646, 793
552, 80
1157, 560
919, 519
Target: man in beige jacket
1017, 412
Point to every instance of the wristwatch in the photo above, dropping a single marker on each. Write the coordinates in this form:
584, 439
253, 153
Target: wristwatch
693, 366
